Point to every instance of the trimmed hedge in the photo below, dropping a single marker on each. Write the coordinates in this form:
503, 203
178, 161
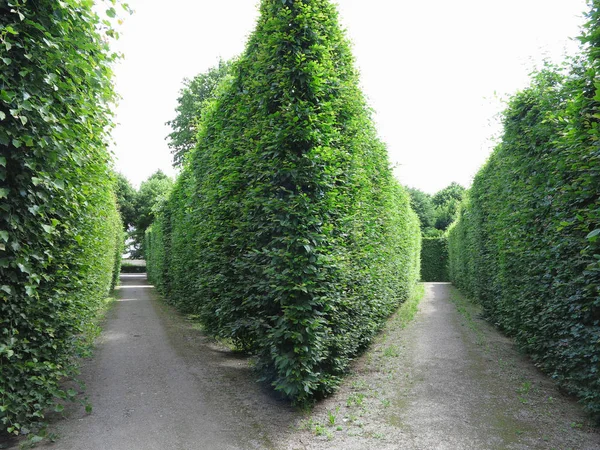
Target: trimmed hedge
434, 259
527, 241
286, 231
59, 227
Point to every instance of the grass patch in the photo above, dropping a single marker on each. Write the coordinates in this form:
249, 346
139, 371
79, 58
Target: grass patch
407, 311
91, 330
468, 310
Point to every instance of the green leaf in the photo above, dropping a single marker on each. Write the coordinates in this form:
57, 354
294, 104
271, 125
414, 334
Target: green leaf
59, 408
593, 234
4, 192
4, 236
48, 228
110, 12
2, 115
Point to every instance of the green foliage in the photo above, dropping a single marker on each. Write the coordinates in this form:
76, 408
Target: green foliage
59, 226
453, 193
193, 98
526, 243
286, 231
446, 203
436, 212
126, 201
152, 194
421, 204
434, 259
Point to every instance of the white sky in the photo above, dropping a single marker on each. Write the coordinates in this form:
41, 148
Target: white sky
432, 70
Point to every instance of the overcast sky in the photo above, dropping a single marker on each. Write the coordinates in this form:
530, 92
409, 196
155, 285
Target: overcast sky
433, 71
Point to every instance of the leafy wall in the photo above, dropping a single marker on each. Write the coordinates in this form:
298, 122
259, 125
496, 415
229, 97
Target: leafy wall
434, 259
59, 226
286, 231
527, 241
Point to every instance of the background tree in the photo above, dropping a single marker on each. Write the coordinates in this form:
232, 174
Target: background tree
126, 200
421, 203
446, 203
436, 212
151, 194
191, 102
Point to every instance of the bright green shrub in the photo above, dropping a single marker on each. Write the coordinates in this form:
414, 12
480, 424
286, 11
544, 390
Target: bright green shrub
526, 243
434, 259
286, 231
59, 226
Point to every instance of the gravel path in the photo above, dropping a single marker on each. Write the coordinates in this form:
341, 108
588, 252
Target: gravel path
446, 380
156, 383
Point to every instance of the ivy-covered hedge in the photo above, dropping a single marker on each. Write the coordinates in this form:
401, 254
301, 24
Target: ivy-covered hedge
286, 231
434, 259
60, 231
527, 243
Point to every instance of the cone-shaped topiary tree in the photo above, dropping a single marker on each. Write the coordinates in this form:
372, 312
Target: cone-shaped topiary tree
300, 239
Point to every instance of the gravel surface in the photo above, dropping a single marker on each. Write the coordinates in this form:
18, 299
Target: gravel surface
446, 380
156, 383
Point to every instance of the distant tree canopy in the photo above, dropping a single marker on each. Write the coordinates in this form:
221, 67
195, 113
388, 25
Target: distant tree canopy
436, 212
152, 192
421, 203
193, 98
147, 199
126, 201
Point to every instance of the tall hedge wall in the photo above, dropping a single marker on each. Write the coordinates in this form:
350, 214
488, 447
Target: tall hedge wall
434, 259
59, 226
527, 241
286, 231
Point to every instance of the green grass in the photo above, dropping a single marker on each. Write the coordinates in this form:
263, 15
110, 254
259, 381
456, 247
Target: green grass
407, 311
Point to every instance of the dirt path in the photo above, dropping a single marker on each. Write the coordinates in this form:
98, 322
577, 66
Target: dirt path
156, 383
447, 380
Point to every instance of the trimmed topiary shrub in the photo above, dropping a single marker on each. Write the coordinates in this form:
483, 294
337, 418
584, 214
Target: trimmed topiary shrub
59, 227
434, 259
527, 241
286, 231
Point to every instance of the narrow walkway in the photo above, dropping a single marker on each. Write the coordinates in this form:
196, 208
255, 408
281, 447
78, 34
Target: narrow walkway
156, 383
446, 381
